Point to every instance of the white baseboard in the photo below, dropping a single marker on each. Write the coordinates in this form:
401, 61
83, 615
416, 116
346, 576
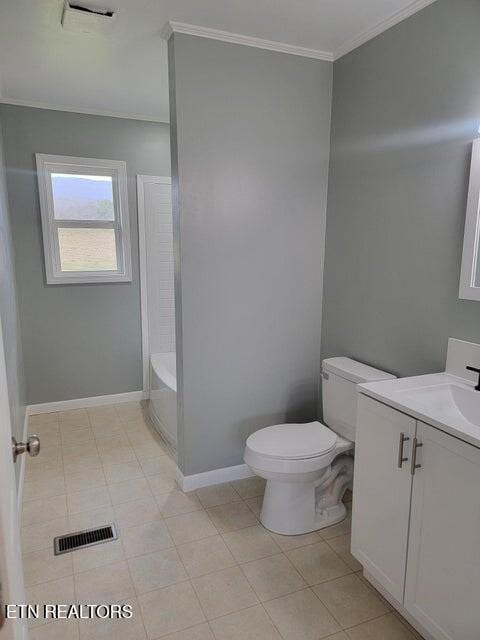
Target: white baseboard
83, 403
209, 478
21, 477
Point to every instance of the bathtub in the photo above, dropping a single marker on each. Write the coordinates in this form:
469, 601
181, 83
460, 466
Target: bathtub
163, 395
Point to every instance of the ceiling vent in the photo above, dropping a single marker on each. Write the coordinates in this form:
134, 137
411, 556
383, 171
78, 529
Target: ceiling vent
80, 19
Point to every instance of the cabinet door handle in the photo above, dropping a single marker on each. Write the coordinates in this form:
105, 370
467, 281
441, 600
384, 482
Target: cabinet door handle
416, 446
401, 458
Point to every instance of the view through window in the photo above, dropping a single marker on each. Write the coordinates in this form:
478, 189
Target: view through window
83, 198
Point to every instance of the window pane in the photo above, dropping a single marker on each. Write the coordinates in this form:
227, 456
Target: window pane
82, 197
87, 249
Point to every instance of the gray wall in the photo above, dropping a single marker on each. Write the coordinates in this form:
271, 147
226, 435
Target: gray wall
9, 314
250, 138
406, 107
78, 340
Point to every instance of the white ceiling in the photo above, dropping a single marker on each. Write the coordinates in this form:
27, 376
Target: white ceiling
126, 72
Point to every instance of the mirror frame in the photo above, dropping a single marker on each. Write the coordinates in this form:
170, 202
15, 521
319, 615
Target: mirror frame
471, 239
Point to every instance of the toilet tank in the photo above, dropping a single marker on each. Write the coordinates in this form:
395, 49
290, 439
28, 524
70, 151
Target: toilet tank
340, 377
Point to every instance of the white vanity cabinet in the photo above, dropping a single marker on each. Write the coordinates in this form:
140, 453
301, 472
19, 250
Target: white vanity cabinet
381, 492
442, 589
416, 531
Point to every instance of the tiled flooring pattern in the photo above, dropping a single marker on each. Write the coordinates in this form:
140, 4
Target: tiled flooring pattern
195, 566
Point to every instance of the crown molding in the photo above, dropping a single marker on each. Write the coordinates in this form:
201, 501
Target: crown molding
90, 112
226, 36
380, 27
248, 41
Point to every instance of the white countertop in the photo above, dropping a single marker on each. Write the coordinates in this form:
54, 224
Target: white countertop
428, 398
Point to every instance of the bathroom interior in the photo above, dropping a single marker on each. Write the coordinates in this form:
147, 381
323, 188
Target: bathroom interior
240, 320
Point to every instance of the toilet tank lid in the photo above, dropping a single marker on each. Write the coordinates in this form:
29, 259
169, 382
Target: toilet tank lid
355, 371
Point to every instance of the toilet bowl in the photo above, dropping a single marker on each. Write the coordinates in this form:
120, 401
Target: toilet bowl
308, 467
296, 460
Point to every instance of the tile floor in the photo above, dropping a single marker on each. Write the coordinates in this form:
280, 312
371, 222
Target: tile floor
195, 566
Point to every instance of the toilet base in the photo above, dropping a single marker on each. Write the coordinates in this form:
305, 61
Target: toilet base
289, 509
294, 508
332, 515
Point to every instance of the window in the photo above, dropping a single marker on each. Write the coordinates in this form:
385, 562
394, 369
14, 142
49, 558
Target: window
84, 209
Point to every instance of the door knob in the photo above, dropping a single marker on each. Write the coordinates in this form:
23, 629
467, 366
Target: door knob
32, 446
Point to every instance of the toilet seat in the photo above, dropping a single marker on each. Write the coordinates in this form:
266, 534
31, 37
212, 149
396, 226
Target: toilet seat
293, 441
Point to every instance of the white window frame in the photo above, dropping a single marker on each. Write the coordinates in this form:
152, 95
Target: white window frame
117, 170
471, 240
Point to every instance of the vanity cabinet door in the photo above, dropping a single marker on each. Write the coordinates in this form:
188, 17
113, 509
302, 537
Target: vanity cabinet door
381, 492
443, 569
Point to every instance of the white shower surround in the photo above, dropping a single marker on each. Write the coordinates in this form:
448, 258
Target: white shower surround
155, 239
163, 395
155, 226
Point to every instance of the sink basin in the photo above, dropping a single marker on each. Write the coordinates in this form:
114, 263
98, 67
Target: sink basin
451, 401
442, 400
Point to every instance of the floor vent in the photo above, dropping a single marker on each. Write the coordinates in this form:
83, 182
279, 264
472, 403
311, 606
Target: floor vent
82, 539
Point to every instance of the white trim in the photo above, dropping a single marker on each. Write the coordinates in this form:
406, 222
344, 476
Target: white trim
21, 477
84, 111
142, 180
120, 225
380, 27
142, 254
471, 239
11, 564
84, 403
248, 41
209, 478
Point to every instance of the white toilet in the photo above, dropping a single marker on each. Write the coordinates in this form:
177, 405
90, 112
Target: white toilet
308, 467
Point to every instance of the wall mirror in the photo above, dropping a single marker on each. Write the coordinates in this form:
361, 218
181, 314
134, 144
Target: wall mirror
470, 274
